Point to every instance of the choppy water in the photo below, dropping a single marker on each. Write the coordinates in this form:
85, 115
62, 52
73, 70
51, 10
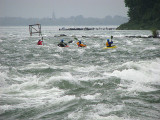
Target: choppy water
52, 83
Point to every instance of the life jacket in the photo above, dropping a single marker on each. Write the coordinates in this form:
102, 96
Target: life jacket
81, 45
107, 44
39, 43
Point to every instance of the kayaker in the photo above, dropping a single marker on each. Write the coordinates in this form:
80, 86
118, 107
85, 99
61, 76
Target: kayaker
39, 42
108, 43
80, 44
62, 44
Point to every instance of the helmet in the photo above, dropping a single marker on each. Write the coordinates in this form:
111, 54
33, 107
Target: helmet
107, 39
62, 40
80, 42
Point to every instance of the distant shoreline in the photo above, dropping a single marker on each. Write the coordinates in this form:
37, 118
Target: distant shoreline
87, 28
72, 21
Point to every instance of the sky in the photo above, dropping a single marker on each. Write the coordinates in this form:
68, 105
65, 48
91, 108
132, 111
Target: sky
62, 8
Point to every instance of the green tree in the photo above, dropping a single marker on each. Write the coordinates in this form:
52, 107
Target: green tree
143, 14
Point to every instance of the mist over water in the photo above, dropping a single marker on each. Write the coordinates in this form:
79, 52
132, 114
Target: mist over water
52, 83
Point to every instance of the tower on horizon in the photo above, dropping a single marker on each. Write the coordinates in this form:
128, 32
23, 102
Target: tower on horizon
53, 16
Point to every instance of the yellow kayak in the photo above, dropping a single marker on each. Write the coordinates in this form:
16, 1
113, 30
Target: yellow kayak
110, 47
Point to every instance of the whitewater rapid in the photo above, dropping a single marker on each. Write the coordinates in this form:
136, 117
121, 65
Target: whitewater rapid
53, 83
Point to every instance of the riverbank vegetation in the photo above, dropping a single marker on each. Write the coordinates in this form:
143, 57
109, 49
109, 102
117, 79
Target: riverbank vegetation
155, 33
143, 14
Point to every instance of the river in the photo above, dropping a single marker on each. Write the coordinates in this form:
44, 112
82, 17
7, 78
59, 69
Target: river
48, 82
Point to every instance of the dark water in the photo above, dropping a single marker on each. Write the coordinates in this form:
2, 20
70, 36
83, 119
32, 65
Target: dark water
52, 83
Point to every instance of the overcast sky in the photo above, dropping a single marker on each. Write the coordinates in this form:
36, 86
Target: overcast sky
61, 8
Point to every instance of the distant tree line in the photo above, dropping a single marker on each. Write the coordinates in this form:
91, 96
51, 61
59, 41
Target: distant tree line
143, 14
78, 20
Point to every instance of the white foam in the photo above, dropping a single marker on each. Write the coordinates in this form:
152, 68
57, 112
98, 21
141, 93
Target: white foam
97, 45
36, 96
129, 42
65, 76
57, 55
27, 82
42, 65
87, 68
90, 97
59, 49
37, 101
98, 113
150, 48
106, 109
35, 66
3, 83
81, 51
140, 75
94, 116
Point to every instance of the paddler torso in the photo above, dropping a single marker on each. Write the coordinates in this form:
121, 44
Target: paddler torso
81, 45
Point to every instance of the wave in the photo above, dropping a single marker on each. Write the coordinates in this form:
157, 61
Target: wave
139, 76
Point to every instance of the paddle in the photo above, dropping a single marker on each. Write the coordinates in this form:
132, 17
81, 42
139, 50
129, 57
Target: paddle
111, 37
78, 40
70, 41
42, 40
